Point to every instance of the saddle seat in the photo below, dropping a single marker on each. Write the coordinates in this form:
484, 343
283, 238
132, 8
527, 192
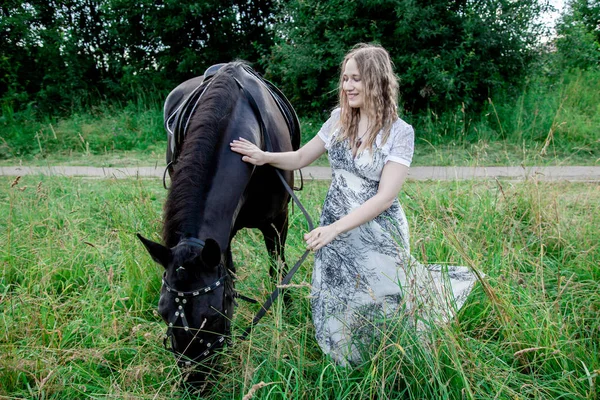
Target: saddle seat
176, 123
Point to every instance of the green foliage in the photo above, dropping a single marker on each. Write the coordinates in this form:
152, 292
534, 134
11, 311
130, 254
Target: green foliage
109, 128
446, 53
578, 30
65, 56
553, 119
469, 73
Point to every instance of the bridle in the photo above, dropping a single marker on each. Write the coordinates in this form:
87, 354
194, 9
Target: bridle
181, 299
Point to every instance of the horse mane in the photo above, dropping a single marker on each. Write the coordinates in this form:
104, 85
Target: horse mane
195, 167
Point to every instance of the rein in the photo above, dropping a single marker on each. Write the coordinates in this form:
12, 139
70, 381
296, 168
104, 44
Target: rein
267, 304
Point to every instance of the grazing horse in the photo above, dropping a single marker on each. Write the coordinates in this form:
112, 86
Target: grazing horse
213, 195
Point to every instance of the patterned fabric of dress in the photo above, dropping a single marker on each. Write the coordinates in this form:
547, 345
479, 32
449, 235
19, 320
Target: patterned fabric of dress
366, 276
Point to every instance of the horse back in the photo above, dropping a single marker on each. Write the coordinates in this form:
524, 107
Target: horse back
283, 104
182, 91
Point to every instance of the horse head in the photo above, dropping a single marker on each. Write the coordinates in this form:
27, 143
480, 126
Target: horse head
196, 299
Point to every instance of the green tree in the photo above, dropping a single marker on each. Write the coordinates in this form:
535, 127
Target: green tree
578, 30
27, 54
60, 54
447, 53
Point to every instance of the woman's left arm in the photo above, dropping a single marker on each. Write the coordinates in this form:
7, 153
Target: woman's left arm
392, 178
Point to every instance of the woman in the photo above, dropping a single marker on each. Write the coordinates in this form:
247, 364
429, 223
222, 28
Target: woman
362, 265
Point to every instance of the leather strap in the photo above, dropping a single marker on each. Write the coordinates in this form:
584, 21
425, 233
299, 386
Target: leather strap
267, 304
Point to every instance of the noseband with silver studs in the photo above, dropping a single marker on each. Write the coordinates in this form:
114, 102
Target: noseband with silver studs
181, 299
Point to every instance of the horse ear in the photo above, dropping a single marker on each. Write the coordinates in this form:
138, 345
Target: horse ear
211, 253
159, 253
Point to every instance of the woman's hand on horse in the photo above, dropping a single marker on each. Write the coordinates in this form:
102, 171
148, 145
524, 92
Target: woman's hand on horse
249, 151
320, 237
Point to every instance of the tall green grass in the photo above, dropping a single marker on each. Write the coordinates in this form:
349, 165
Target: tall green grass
103, 130
78, 296
554, 120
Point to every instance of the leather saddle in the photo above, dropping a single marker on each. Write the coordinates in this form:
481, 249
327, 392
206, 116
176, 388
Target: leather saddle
176, 124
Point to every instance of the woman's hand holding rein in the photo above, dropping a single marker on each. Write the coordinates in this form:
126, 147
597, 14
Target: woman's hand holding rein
320, 236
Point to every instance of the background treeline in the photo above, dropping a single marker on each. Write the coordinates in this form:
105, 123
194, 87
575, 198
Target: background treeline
60, 54
63, 57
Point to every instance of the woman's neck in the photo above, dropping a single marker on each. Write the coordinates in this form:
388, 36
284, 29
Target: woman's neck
362, 131
364, 123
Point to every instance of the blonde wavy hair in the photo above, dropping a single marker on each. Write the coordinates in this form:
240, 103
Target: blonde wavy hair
380, 86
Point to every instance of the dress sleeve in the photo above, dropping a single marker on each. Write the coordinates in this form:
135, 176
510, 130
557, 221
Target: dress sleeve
402, 146
328, 129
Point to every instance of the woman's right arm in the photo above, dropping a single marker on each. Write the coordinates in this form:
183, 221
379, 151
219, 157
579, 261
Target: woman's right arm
289, 160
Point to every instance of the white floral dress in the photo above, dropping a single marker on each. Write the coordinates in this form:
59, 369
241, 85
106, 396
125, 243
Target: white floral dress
368, 273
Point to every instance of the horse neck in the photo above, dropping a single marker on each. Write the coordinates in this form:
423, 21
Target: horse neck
207, 190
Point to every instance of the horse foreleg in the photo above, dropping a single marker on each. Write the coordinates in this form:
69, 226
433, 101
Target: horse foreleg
229, 260
275, 235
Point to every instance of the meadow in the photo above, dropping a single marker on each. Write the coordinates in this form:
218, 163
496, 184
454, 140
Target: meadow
78, 293
78, 298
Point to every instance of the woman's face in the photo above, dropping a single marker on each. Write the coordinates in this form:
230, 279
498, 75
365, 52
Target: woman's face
352, 84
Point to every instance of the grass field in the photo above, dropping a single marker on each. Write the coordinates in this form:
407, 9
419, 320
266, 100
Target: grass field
78, 295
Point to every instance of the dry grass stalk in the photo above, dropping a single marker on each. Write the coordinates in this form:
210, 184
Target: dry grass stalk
15, 182
253, 390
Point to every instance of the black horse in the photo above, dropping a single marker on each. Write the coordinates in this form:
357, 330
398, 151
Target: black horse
213, 195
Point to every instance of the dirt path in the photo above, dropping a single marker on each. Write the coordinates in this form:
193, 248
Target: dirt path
581, 174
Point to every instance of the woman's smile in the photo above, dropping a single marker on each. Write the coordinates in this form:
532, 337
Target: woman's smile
352, 84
